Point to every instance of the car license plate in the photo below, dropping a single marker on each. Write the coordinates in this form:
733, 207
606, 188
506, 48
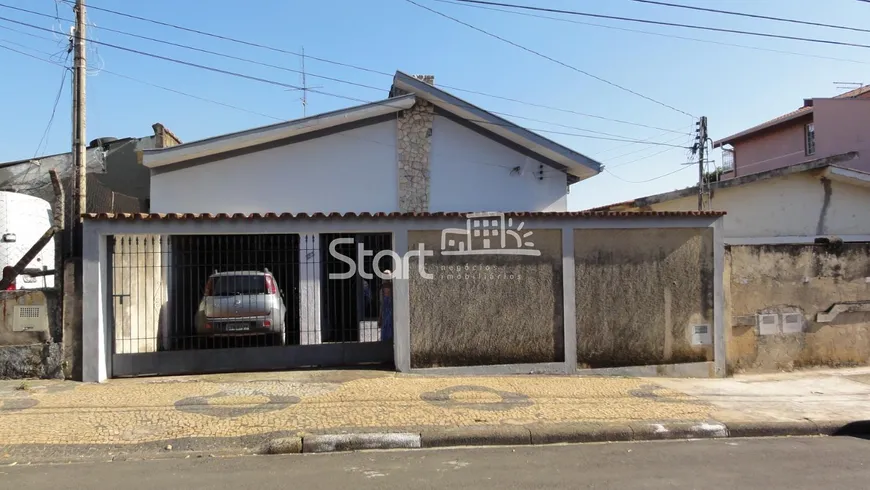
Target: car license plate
237, 327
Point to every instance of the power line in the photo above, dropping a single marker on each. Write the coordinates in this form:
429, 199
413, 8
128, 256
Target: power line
663, 23
53, 109
330, 78
50, 55
206, 51
645, 140
754, 16
658, 34
248, 60
231, 39
550, 58
642, 158
566, 126
241, 109
648, 180
30, 34
480, 162
286, 85
26, 54
569, 111
143, 82
197, 97
643, 148
356, 67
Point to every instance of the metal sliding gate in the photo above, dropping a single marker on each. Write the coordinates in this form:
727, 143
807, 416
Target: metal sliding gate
187, 304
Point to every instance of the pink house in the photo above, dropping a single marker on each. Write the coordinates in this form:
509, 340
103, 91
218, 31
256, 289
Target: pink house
821, 128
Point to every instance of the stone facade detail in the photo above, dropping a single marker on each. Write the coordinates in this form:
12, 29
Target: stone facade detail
414, 134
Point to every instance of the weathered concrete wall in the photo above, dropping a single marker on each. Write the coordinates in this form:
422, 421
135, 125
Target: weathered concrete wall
487, 309
803, 280
72, 319
30, 354
36, 297
640, 292
31, 361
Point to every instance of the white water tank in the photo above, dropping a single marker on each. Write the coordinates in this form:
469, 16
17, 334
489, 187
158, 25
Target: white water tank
23, 220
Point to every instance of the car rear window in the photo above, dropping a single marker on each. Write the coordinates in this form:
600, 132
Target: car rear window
235, 285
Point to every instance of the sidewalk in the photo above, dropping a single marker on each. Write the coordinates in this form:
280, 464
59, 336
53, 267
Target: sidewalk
242, 412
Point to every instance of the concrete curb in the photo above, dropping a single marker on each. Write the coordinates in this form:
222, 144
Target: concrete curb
284, 445
774, 429
496, 435
328, 443
581, 432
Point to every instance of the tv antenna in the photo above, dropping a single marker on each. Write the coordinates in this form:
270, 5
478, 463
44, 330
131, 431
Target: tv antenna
305, 88
848, 85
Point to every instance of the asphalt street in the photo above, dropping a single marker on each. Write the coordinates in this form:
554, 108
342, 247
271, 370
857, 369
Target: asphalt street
770, 464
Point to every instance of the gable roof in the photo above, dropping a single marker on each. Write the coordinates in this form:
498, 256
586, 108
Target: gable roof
557, 155
263, 135
830, 163
790, 116
576, 165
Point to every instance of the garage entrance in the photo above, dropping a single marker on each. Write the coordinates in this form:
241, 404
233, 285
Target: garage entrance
212, 303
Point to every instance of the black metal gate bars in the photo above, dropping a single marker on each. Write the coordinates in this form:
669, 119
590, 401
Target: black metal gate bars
185, 304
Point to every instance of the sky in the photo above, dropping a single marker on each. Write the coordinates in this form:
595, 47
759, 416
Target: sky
734, 87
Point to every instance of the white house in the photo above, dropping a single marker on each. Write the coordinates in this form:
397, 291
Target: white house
420, 150
794, 204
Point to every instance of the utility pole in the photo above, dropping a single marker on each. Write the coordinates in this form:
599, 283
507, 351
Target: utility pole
700, 147
79, 121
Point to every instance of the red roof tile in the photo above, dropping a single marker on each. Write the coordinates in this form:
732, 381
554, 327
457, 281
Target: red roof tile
314, 216
788, 116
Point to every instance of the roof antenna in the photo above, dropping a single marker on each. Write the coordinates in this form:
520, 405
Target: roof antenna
848, 85
305, 88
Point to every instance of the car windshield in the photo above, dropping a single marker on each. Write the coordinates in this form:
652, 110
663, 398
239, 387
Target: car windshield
235, 285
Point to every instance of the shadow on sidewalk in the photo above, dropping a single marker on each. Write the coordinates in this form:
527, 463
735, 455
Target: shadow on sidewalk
859, 429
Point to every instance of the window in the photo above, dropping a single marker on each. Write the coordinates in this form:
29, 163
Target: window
810, 138
236, 284
727, 159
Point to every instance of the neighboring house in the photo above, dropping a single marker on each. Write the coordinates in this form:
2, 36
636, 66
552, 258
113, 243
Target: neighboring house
797, 261
823, 127
794, 204
117, 180
420, 150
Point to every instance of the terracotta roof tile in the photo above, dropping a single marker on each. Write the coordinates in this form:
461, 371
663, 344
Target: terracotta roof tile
789, 116
318, 216
854, 93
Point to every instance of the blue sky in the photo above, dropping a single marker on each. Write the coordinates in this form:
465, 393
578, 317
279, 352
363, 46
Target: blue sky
734, 87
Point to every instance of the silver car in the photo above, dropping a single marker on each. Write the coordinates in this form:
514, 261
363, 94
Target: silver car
240, 304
